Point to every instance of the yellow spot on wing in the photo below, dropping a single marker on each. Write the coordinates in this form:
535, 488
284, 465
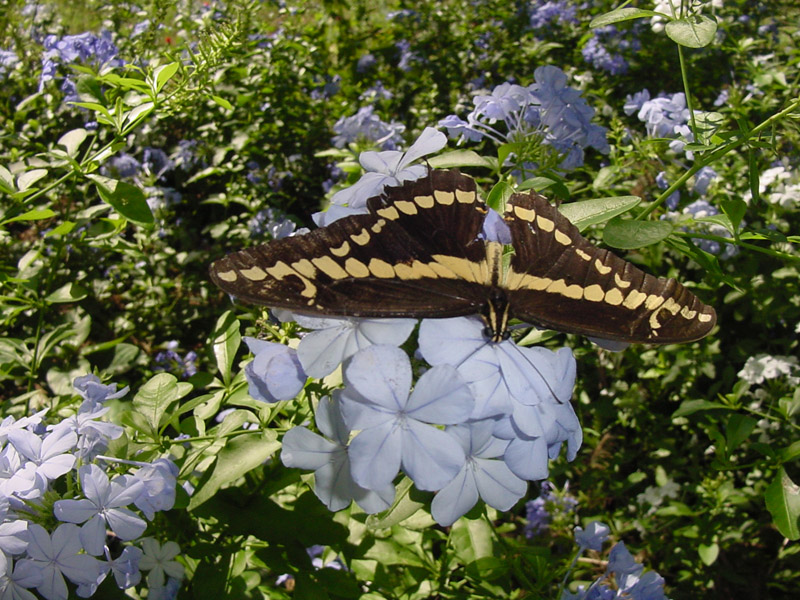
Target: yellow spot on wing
404, 206
390, 212
461, 267
526, 214
342, 250
356, 268
255, 273
688, 314
376, 228
704, 317
443, 197
360, 238
330, 267
634, 299
621, 282
304, 267
560, 287
593, 293
544, 223
562, 238
583, 255
653, 302
380, 268
465, 197
280, 270
614, 297
601, 268
229, 276
424, 201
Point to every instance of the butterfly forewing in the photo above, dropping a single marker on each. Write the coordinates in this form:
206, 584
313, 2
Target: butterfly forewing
558, 279
416, 253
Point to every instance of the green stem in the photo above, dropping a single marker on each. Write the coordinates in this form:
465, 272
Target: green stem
727, 240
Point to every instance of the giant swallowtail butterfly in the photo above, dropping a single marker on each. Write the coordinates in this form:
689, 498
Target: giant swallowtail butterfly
419, 252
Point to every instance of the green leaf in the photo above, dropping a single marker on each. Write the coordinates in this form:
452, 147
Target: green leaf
629, 234
402, 508
33, 215
735, 209
708, 554
590, 212
499, 195
128, 200
459, 158
472, 539
69, 292
222, 102
163, 74
738, 430
28, 178
138, 113
693, 31
72, 140
621, 14
240, 455
156, 396
226, 340
7, 181
689, 407
783, 503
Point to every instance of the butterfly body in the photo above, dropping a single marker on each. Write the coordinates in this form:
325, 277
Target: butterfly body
420, 252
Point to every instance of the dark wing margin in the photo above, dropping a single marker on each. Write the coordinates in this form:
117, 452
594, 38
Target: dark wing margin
416, 254
559, 280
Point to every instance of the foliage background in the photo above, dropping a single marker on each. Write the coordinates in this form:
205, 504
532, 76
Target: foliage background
680, 448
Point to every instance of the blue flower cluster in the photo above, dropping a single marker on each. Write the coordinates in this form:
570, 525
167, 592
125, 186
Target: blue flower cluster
604, 49
623, 576
86, 47
8, 62
548, 112
172, 362
366, 126
664, 117
551, 503
33, 457
543, 13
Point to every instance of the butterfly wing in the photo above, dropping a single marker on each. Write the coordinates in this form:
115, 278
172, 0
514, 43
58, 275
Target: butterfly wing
560, 280
416, 253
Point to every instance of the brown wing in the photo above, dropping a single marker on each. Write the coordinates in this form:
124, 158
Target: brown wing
560, 280
416, 253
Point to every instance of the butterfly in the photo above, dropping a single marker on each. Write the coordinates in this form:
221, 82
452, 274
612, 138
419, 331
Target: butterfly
420, 252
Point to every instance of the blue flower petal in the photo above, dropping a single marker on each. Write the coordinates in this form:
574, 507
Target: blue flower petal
304, 449
527, 458
455, 499
381, 374
430, 456
441, 396
375, 455
497, 485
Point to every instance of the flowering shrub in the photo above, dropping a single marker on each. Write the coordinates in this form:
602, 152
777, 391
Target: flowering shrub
145, 451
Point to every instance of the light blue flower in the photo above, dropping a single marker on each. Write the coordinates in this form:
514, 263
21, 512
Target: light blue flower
394, 426
702, 179
337, 339
390, 168
275, 372
14, 579
57, 556
49, 454
328, 458
366, 126
103, 508
94, 392
593, 537
481, 476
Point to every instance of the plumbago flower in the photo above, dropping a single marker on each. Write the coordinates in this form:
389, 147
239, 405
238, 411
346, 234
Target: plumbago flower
549, 118
34, 456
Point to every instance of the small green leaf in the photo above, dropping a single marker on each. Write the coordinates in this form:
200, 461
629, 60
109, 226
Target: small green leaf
735, 208
33, 215
590, 212
28, 178
621, 14
738, 429
459, 158
69, 292
138, 113
240, 455
128, 200
401, 509
693, 31
72, 140
783, 503
163, 74
156, 396
7, 181
226, 341
499, 195
689, 407
222, 102
472, 539
62, 229
630, 234
708, 554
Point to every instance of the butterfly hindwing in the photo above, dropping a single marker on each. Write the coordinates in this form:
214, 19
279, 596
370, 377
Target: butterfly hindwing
560, 280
